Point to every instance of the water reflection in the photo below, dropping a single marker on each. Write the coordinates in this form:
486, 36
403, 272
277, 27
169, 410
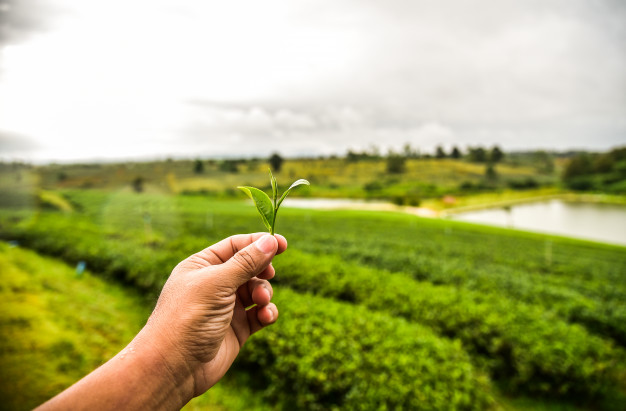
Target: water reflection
600, 222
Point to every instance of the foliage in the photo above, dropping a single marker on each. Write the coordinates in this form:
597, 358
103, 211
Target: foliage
477, 154
547, 326
440, 153
268, 209
516, 341
496, 154
523, 184
333, 177
198, 166
137, 184
328, 355
58, 326
276, 161
229, 166
605, 171
456, 153
490, 172
396, 164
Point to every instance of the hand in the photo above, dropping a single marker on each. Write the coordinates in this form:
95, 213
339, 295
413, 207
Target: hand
194, 333
200, 321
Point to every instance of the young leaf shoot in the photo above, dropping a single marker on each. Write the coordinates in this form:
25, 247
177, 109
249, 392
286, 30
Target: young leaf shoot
268, 208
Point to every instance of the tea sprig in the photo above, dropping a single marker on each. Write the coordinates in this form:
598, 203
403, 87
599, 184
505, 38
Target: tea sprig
268, 208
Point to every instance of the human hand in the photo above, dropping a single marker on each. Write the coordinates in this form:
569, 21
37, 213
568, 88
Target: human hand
200, 321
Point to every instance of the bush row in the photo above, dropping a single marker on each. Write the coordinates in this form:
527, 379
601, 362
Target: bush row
529, 348
582, 283
520, 343
325, 355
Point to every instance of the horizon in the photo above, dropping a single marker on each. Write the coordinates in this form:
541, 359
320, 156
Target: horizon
383, 153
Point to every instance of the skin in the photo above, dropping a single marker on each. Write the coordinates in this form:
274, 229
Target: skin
194, 334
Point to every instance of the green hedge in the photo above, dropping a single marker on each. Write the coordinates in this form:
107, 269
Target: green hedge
582, 282
323, 354
523, 344
531, 349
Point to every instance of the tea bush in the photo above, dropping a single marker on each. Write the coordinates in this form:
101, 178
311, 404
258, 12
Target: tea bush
496, 291
325, 355
533, 350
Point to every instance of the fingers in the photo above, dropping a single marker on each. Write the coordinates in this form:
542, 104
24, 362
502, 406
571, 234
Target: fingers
268, 273
224, 250
256, 291
245, 263
259, 317
260, 291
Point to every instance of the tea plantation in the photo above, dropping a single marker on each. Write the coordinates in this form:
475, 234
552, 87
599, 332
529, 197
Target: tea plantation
378, 310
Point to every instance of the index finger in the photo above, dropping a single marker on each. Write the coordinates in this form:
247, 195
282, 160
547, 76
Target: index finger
222, 251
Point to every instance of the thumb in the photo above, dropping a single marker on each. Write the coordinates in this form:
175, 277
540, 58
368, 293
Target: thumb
247, 263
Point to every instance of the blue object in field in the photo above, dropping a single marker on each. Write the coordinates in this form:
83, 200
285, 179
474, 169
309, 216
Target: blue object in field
13, 243
80, 268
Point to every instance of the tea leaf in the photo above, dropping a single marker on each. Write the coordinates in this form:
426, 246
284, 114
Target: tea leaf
274, 187
295, 184
263, 204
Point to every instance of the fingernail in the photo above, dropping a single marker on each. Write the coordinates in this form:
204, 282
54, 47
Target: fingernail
271, 315
266, 244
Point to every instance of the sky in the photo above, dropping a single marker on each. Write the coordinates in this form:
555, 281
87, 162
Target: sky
84, 80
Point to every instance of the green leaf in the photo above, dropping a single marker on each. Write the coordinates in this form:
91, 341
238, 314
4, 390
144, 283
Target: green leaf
263, 204
295, 184
274, 187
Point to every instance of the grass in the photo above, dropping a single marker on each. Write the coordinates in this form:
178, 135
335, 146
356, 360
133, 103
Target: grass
56, 332
334, 178
57, 326
530, 322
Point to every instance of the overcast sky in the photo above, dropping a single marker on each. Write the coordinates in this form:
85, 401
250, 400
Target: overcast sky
87, 79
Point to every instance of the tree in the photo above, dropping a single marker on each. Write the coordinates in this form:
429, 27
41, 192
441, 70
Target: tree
229, 166
579, 166
440, 153
543, 161
396, 164
410, 152
477, 155
138, 184
198, 167
276, 161
578, 173
456, 153
496, 155
490, 172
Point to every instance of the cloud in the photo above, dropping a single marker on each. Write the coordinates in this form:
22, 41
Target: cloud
21, 18
316, 76
12, 144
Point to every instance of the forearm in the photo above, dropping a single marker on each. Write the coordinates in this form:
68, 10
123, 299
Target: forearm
139, 377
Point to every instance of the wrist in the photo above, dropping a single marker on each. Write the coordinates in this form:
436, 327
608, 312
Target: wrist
139, 377
164, 367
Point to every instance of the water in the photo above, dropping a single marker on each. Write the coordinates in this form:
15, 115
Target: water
598, 222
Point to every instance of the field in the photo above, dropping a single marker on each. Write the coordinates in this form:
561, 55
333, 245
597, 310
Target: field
378, 310
333, 178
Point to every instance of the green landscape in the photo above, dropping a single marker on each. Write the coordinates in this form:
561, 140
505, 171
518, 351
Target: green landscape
379, 309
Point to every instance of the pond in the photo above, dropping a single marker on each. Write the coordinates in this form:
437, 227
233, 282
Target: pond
598, 222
